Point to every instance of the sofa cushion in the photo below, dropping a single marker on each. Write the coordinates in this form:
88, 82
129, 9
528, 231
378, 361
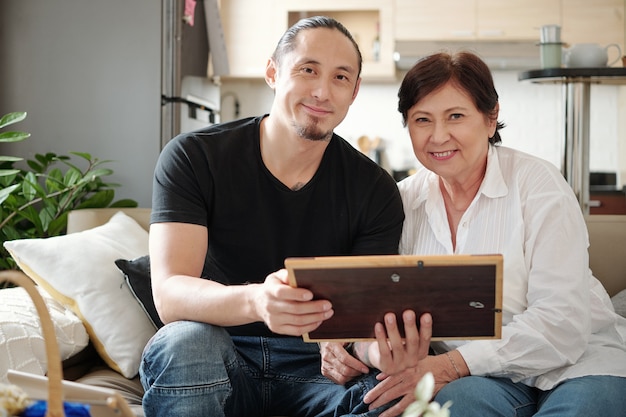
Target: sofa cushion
78, 270
130, 389
22, 345
137, 274
607, 240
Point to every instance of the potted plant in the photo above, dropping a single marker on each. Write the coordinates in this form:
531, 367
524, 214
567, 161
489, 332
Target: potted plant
35, 200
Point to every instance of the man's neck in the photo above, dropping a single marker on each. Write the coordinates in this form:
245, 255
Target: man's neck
292, 159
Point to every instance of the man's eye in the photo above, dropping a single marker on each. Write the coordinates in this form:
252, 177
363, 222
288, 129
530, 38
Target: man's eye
308, 70
342, 77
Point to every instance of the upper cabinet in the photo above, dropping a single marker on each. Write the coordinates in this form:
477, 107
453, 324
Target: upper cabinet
252, 30
252, 27
473, 19
600, 21
433, 20
369, 21
515, 19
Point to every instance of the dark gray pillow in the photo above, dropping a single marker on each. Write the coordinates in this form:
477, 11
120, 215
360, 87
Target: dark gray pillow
137, 275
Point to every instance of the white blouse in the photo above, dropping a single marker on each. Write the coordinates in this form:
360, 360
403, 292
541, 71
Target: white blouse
558, 320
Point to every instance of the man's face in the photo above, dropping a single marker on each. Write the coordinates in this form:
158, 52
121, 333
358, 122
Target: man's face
316, 83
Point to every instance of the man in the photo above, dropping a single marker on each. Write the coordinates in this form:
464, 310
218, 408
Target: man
230, 203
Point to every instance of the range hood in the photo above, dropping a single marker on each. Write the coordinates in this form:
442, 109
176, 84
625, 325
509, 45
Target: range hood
499, 55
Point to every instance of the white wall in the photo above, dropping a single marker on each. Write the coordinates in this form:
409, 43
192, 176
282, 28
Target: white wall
532, 114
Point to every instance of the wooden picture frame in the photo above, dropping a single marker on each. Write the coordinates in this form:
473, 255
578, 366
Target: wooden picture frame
463, 293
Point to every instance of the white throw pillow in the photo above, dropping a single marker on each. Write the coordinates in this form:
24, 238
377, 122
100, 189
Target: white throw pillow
78, 269
22, 346
619, 303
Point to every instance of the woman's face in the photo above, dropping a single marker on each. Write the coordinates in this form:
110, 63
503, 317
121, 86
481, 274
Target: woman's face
449, 135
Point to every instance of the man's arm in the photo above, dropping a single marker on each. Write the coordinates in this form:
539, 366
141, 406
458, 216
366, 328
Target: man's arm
177, 254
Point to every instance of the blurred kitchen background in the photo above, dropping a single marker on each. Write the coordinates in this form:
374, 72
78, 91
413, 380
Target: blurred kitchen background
79, 68
533, 115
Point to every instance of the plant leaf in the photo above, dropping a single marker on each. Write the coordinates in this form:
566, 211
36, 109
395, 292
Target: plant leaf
34, 202
4, 158
93, 174
100, 199
35, 166
45, 160
72, 177
7, 172
5, 192
11, 233
124, 203
32, 215
10, 118
30, 186
13, 136
58, 226
83, 155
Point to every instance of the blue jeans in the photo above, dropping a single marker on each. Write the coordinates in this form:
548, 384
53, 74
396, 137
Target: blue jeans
196, 369
587, 396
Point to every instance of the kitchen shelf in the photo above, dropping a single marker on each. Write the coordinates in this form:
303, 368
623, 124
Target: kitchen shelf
606, 75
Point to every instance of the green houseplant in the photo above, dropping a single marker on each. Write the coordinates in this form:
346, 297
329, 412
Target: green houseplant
35, 200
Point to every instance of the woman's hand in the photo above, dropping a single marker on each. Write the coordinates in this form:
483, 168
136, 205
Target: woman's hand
398, 359
395, 354
402, 385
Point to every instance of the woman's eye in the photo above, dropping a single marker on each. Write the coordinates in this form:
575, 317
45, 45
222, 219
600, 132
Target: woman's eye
456, 116
421, 120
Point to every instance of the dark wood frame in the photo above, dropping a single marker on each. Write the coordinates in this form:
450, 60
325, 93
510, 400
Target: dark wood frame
462, 292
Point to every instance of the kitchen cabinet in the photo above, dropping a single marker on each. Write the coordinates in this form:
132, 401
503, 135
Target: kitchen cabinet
607, 203
515, 19
251, 32
473, 19
252, 29
433, 20
600, 21
369, 21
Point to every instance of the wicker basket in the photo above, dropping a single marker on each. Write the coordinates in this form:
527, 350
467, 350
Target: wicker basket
55, 369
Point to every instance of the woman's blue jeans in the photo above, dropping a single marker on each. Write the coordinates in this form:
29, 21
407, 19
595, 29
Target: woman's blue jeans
587, 396
196, 369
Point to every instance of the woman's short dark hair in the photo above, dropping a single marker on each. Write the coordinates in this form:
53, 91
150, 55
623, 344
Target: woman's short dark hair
287, 41
464, 69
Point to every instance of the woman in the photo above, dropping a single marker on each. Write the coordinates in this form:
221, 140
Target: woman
563, 348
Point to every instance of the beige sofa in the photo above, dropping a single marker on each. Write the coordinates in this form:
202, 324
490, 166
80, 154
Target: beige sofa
607, 250
607, 257
607, 237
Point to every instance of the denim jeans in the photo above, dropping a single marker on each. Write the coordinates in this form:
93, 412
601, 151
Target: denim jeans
587, 396
196, 369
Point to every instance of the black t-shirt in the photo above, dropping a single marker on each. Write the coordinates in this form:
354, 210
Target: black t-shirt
215, 177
